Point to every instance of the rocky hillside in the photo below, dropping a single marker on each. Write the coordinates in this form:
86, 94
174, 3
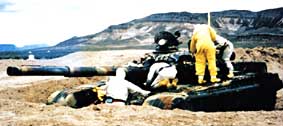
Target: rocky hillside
7, 47
244, 28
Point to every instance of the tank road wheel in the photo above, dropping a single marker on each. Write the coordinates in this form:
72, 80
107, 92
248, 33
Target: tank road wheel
270, 84
250, 67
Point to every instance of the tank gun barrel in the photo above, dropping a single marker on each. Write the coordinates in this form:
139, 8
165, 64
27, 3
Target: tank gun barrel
67, 71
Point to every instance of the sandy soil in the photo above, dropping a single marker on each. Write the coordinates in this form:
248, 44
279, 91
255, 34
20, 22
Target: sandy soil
22, 99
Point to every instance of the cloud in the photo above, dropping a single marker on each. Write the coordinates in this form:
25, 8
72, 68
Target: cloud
4, 6
52, 21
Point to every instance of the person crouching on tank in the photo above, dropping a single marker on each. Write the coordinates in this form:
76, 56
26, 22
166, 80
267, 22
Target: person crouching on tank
118, 89
202, 46
226, 50
161, 76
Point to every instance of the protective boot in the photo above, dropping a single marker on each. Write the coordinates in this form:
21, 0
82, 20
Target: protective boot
200, 80
101, 93
214, 79
163, 83
230, 75
174, 82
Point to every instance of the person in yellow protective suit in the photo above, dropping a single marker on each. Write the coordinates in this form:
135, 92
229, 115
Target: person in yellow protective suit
202, 46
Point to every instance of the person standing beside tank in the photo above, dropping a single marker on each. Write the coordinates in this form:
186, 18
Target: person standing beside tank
226, 50
202, 46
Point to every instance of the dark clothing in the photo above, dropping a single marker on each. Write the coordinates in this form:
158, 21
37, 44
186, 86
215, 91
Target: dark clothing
171, 44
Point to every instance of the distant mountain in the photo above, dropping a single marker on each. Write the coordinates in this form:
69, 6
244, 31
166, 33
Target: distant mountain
244, 28
8, 51
7, 47
34, 46
12, 47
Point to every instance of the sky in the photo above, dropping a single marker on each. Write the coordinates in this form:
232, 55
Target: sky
24, 22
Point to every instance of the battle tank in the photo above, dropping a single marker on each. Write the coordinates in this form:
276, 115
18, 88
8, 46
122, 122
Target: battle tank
252, 88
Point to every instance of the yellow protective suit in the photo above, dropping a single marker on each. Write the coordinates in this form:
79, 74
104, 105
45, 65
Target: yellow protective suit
202, 45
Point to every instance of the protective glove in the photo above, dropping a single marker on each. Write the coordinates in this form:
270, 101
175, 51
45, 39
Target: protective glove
145, 93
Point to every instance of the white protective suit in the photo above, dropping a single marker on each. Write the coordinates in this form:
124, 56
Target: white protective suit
160, 73
229, 49
118, 88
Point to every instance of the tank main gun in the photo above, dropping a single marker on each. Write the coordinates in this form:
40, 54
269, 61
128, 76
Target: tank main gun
67, 71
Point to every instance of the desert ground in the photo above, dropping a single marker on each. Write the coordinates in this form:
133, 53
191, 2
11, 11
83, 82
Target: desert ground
22, 99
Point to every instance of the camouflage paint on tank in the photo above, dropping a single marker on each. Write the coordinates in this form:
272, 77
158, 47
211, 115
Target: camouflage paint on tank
36, 70
165, 100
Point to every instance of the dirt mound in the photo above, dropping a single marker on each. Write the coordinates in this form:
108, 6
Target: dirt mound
25, 104
272, 56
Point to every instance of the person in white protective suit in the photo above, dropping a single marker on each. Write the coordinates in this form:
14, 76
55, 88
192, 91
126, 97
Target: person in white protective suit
226, 48
118, 89
162, 74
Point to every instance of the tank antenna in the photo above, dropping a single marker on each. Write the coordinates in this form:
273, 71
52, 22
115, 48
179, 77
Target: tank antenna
208, 18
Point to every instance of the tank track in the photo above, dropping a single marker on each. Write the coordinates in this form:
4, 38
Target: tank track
244, 92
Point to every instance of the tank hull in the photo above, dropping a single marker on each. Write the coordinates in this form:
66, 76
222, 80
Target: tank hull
252, 88
244, 92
